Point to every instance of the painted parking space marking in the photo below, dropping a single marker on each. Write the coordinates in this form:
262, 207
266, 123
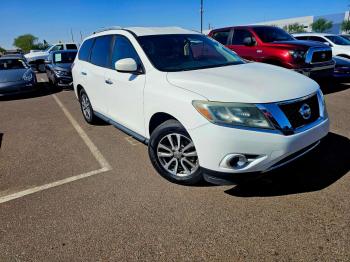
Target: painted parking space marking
132, 141
105, 166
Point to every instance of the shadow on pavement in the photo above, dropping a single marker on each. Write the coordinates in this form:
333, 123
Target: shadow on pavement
1, 136
315, 171
329, 88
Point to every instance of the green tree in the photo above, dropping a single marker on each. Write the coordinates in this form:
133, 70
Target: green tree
345, 26
294, 28
25, 42
321, 25
2, 50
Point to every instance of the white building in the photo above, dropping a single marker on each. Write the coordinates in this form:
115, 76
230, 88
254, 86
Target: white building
337, 20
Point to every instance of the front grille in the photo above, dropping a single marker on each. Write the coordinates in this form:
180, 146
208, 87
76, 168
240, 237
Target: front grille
292, 111
321, 56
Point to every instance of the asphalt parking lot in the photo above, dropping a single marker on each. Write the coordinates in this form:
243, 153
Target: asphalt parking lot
74, 192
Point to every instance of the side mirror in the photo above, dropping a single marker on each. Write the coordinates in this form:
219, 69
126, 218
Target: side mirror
327, 43
126, 65
249, 41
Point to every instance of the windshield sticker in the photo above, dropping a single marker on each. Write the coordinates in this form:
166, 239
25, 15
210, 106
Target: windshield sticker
58, 57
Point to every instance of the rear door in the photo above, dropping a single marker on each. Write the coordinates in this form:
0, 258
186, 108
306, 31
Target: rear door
125, 90
95, 73
237, 44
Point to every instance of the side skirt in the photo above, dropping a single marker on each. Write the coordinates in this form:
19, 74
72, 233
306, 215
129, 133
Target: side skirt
126, 130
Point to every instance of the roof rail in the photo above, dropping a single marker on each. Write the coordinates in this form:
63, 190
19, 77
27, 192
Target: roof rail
107, 28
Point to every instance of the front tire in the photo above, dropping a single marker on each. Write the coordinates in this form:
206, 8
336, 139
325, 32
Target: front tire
173, 154
86, 108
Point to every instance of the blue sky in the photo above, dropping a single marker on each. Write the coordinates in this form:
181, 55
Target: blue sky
53, 23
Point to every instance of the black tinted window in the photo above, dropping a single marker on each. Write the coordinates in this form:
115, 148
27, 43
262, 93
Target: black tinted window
100, 53
123, 49
65, 57
71, 46
84, 52
302, 37
317, 39
239, 35
221, 36
272, 34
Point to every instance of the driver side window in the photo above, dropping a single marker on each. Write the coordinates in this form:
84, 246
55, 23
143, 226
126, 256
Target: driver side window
239, 35
123, 49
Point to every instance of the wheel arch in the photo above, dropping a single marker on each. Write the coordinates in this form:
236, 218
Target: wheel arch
158, 119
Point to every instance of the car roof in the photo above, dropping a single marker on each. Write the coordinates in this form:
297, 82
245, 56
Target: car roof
144, 31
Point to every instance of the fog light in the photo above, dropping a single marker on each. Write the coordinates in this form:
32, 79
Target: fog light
238, 161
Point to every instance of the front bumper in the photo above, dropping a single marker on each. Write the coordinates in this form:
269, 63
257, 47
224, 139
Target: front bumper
64, 80
214, 143
19, 87
317, 72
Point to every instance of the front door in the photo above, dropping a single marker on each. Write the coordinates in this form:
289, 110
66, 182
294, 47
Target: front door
237, 44
125, 90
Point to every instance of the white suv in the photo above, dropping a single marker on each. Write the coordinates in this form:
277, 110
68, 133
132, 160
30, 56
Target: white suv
340, 45
202, 111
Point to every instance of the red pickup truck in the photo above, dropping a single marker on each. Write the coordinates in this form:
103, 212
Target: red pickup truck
273, 45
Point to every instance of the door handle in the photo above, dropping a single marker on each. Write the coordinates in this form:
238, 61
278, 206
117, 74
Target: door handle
83, 73
259, 51
109, 82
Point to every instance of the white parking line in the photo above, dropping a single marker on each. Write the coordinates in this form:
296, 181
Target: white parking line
105, 166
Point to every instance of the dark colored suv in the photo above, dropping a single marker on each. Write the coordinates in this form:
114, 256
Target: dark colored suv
273, 45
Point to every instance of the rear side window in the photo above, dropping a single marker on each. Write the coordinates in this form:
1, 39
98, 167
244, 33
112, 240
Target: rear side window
239, 35
123, 49
302, 37
71, 47
100, 54
221, 36
84, 52
317, 39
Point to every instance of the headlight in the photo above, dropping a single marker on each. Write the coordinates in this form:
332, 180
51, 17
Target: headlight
28, 76
297, 54
233, 114
61, 73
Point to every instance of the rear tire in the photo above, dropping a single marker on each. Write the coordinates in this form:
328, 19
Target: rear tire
86, 108
173, 154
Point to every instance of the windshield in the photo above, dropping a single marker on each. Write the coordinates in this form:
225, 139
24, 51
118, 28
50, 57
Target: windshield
48, 48
64, 58
7, 64
272, 34
172, 53
338, 40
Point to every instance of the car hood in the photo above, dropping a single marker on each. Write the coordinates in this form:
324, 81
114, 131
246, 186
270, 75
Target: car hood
63, 67
246, 83
300, 43
11, 75
36, 54
341, 61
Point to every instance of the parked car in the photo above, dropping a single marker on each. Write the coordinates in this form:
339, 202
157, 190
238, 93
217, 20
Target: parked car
273, 45
342, 69
340, 45
37, 59
58, 67
202, 111
16, 76
18, 56
347, 37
